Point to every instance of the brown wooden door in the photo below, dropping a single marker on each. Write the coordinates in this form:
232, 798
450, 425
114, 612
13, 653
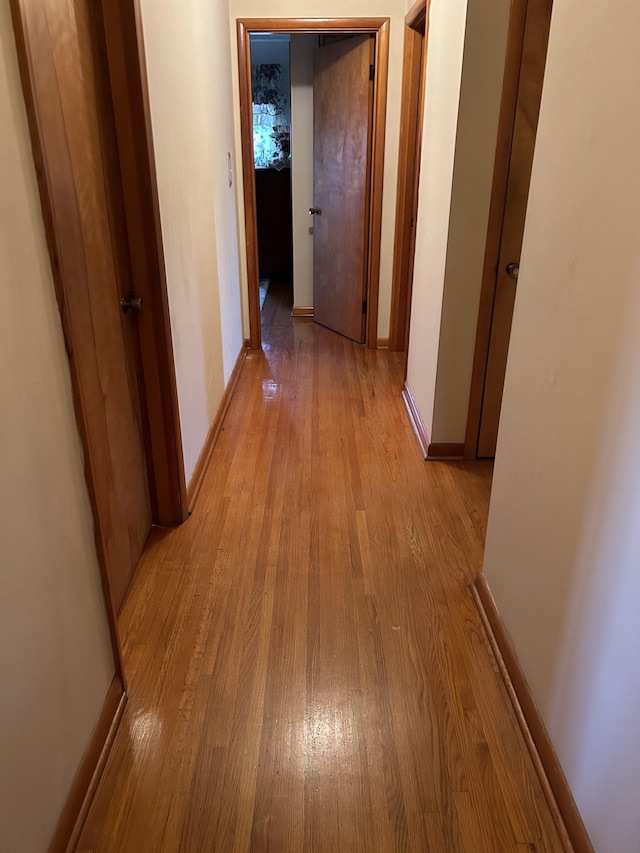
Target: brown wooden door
342, 110
536, 37
69, 104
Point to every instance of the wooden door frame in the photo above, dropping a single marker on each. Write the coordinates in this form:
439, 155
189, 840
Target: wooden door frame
158, 397
508, 106
379, 28
414, 72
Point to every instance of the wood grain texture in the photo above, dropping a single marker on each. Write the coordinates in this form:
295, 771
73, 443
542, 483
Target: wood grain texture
88, 775
195, 484
308, 670
125, 55
249, 184
562, 806
379, 28
509, 97
342, 101
412, 99
534, 54
445, 450
67, 92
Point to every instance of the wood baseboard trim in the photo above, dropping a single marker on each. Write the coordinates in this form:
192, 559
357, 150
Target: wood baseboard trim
197, 478
302, 311
85, 783
444, 450
416, 420
564, 811
383, 343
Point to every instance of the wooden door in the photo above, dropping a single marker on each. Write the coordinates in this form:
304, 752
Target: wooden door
342, 111
68, 99
534, 52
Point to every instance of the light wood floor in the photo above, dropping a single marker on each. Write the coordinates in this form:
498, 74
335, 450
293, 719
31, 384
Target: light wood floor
307, 671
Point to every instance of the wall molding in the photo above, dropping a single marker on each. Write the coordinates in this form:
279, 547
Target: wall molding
382, 343
445, 450
556, 789
85, 783
416, 420
432, 451
197, 478
302, 311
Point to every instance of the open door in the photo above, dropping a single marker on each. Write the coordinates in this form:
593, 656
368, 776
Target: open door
342, 110
524, 77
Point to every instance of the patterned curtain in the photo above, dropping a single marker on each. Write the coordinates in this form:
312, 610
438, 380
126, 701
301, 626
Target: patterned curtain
270, 135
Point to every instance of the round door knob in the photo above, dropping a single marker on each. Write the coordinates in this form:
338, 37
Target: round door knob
513, 269
130, 302
314, 211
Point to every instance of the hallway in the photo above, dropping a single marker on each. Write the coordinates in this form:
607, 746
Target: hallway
307, 670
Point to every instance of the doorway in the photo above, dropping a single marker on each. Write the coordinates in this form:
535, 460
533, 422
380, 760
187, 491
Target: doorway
378, 29
527, 43
96, 178
414, 68
272, 83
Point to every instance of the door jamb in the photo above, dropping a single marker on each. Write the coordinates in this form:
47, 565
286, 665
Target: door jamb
379, 28
414, 72
508, 105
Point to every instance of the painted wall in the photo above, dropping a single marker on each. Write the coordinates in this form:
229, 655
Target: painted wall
467, 43
56, 661
563, 543
188, 59
442, 97
480, 94
302, 47
393, 9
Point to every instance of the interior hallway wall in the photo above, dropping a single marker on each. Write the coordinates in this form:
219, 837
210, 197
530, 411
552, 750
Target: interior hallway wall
188, 59
393, 9
56, 659
563, 541
465, 67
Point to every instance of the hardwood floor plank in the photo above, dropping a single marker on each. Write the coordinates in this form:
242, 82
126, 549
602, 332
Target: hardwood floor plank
307, 669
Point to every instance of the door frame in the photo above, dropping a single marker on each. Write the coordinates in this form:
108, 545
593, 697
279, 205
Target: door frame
379, 29
414, 73
118, 22
506, 121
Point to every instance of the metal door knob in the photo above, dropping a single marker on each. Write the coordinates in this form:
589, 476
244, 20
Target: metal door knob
513, 269
314, 211
130, 302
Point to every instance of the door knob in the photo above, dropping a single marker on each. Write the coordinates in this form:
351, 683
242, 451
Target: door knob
513, 269
130, 302
314, 211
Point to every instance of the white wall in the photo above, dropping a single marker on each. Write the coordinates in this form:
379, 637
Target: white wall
442, 97
563, 543
393, 9
466, 51
188, 60
56, 661
302, 47
480, 94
